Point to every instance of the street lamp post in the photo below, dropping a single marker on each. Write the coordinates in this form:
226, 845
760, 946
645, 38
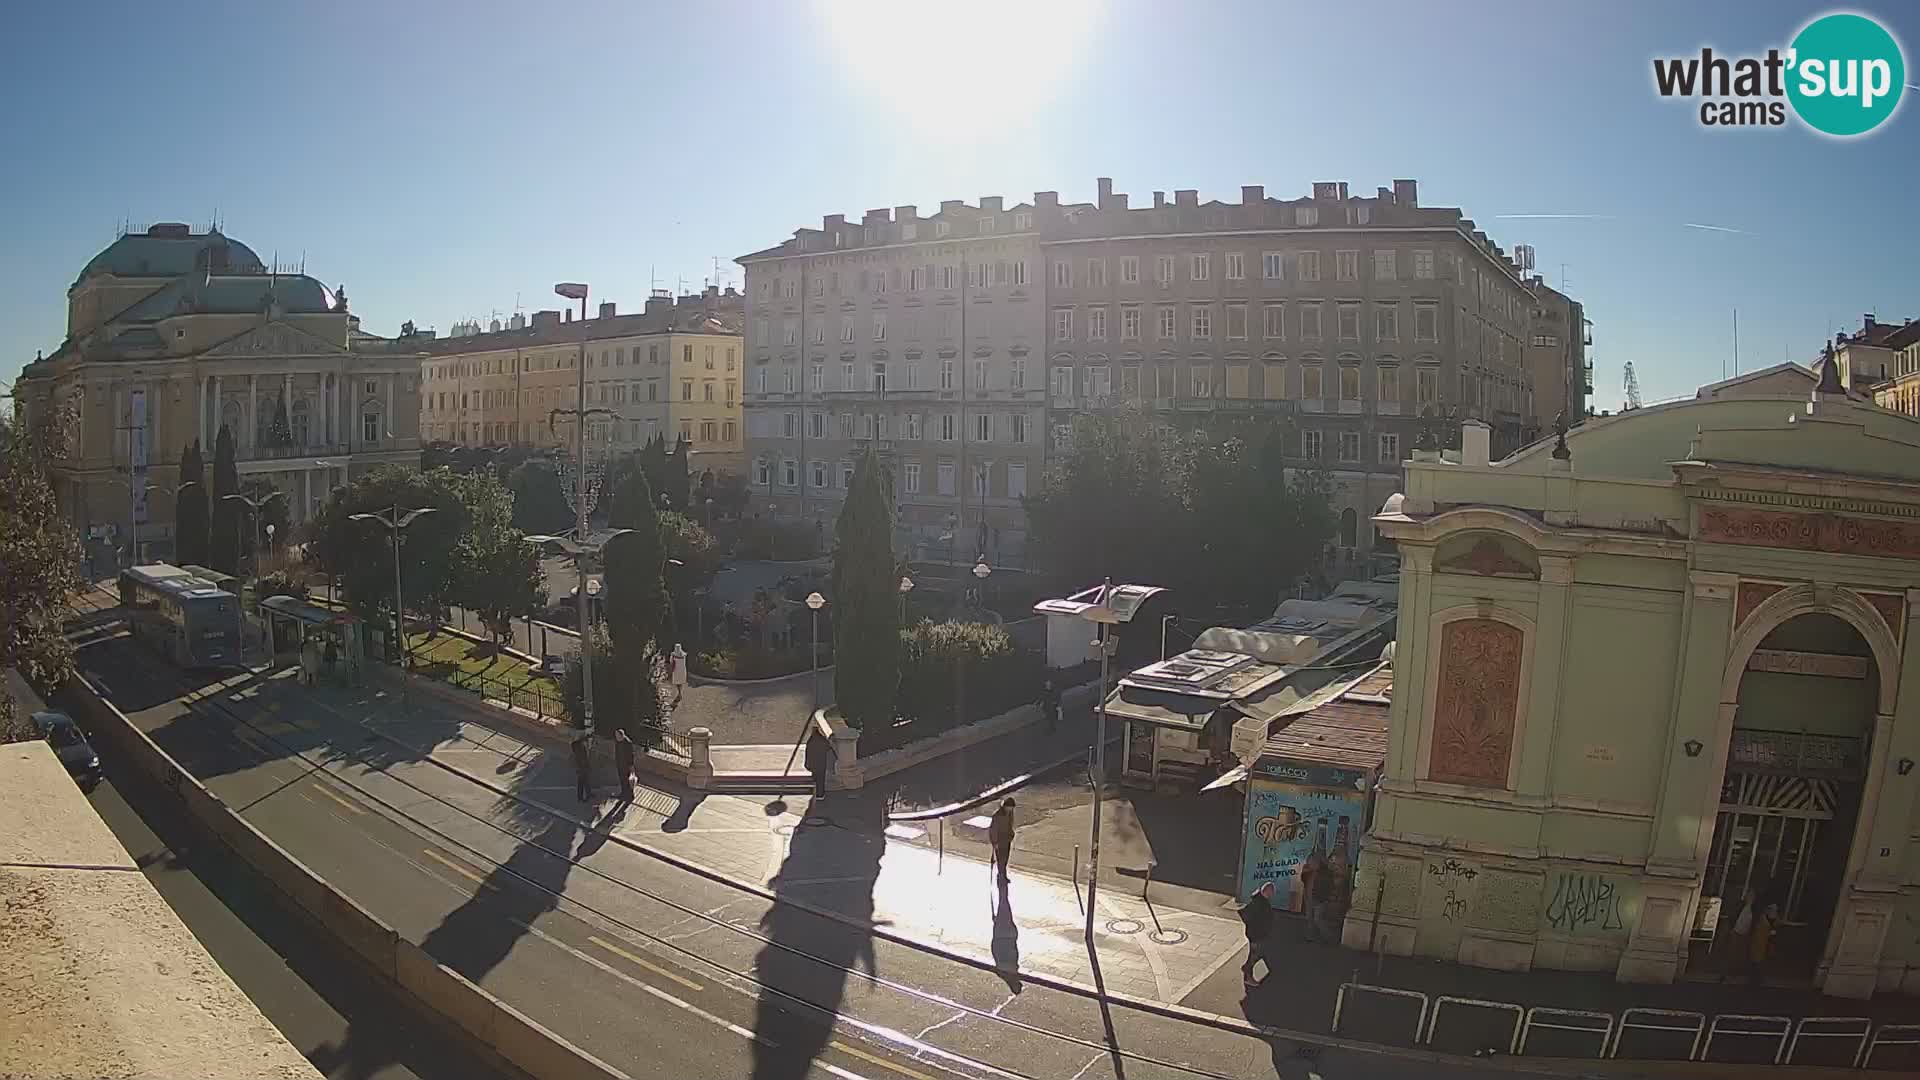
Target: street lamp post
980, 572
133, 526
582, 551
906, 586
393, 522
814, 603
1164, 620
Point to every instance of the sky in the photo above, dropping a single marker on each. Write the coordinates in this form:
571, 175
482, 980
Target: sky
448, 160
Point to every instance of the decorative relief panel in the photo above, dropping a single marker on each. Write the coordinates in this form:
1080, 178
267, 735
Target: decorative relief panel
1478, 700
1489, 558
1838, 534
1892, 608
1752, 595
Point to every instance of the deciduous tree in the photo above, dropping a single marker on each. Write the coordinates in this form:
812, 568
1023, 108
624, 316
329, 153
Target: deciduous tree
496, 572
40, 557
361, 552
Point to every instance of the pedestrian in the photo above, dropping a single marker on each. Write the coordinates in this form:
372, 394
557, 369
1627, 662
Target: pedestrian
623, 762
1313, 875
1000, 835
1760, 939
819, 760
582, 782
1331, 893
1050, 703
1256, 916
677, 671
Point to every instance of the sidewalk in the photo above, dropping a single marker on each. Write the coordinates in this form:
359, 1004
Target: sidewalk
947, 902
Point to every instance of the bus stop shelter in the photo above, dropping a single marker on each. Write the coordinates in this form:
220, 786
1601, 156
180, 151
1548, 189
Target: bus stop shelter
324, 642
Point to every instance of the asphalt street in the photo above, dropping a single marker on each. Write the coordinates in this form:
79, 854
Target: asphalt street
654, 969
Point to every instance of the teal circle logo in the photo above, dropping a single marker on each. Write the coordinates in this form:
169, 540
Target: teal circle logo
1845, 74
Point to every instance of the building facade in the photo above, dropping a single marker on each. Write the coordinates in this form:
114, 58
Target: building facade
1345, 318
1647, 676
962, 344
1558, 336
173, 335
1900, 389
920, 337
674, 370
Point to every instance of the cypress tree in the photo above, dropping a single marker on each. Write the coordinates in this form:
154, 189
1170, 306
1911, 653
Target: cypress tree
223, 531
865, 598
636, 597
190, 509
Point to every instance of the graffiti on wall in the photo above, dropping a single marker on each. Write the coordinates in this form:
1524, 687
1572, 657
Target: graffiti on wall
1454, 877
1580, 902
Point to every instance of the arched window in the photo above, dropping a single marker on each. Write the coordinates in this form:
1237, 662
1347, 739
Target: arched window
1349, 527
230, 418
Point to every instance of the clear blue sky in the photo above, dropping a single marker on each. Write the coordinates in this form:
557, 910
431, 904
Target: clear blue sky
442, 159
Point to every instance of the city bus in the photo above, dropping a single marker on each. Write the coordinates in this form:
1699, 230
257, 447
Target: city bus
188, 619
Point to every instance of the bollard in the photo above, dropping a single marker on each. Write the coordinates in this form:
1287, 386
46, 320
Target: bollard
700, 755
1076, 880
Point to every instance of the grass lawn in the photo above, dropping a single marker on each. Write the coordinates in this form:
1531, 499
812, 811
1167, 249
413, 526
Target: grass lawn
479, 666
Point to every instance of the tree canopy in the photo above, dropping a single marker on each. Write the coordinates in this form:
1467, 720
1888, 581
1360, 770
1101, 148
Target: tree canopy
40, 556
361, 552
190, 509
638, 614
224, 539
496, 572
865, 598
539, 506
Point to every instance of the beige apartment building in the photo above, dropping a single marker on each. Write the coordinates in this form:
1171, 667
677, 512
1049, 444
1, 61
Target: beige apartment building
672, 370
1344, 317
173, 335
922, 337
1557, 343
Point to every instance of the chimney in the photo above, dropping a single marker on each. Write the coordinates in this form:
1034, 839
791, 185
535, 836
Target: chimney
1867, 322
881, 216
1325, 191
1252, 193
1120, 200
1159, 199
1105, 184
1385, 195
566, 315
1476, 440
607, 309
906, 213
1186, 197
1046, 200
1343, 191
832, 222
990, 203
948, 206
1406, 192
546, 320
661, 301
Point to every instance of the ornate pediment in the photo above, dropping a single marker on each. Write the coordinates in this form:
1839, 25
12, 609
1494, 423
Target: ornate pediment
1488, 557
273, 339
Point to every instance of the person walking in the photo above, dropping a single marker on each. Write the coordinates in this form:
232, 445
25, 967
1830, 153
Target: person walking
1256, 916
1000, 835
623, 762
582, 781
677, 672
819, 760
1050, 704
1760, 939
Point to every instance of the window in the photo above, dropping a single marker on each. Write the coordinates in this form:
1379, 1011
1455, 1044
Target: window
1276, 380
653, 385
986, 224
686, 389
879, 326
1130, 382
1166, 322
727, 431
1017, 374
791, 333
1349, 322
1097, 324
949, 275
1271, 265
816, 378
1383, 266
1202, 381
910, 477
979, 373
917, 279
1017, 427
846, 328
846, 375
1346, 265
1426, 322
1200, 266
1306, 215
373, 387
1019, 268
1389, 385
949, 427
1310, 321
653, 351
942, 228
1546, 341
909, 231
1063, 274
983, 427
788, 375
1308, 265
1426, 386
1423, 264
1096, 273
817, 473
1349, 446
1386, 322
911, 426
1062, 382
1349, 382
945, 477
1062, 324
1163, 269
1389, 448
1022, 221
706, 390
762, 473
1310, 445
789, 472
1310, 389
1129, 269
1236, 266
980, 480
370, 428
1202, 322
1099, 381
1165, 384
846, 475
709, 429
1237, 381
1016, 479
946, 373
1236, 322
1130, 324
636, 357
1276, 322
819, 334
686, 354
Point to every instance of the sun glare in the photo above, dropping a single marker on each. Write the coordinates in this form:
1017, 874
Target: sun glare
892, 53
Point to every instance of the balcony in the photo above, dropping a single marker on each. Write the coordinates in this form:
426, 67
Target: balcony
283, 453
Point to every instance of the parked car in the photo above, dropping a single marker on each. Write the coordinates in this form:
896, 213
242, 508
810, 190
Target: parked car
554, 667
69, 743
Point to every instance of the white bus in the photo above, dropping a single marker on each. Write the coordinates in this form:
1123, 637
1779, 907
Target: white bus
190, 620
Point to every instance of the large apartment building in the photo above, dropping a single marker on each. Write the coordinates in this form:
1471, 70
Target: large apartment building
922, 337
950, 341
1557, 344
673, 370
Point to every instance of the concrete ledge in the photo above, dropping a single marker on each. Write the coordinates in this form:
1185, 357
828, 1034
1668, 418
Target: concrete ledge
495, 1030
887, 762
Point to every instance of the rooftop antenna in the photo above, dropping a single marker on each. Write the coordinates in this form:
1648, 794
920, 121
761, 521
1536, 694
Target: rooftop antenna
1736, 342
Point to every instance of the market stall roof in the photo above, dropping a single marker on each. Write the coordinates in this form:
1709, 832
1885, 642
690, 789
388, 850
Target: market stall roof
1161, 708
1341, 733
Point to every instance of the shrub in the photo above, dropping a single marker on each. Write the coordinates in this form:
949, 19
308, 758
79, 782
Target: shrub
954, 673
753, 662
624, 695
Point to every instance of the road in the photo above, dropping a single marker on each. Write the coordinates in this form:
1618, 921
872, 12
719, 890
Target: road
343, 1021
652, 968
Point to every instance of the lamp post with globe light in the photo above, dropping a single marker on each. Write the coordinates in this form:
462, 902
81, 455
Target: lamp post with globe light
394, 521
980, 572
814, 603
906, 586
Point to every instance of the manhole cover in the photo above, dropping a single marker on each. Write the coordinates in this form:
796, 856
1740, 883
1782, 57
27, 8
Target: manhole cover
1124, 926
1167, 937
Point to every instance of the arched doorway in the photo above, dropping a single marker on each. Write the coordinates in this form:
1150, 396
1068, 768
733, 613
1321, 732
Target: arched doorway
1790, 799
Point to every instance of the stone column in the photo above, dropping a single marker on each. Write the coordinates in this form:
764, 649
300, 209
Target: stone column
286, 398
213, 433
200, 395
700, 747
1543, 686
253, 411
393, 387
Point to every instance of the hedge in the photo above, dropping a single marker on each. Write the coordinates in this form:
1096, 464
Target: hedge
954, 673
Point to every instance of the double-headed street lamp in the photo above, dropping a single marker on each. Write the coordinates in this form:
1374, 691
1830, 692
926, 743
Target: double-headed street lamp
394, 521
259, 520
133, 519
582, 551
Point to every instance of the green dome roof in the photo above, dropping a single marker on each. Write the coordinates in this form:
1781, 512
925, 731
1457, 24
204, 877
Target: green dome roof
171, 250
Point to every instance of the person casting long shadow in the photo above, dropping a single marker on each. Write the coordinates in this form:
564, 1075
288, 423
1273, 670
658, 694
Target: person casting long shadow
1006, 940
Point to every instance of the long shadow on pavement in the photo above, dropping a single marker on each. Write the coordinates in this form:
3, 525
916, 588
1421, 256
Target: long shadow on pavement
476, 936
833, 865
